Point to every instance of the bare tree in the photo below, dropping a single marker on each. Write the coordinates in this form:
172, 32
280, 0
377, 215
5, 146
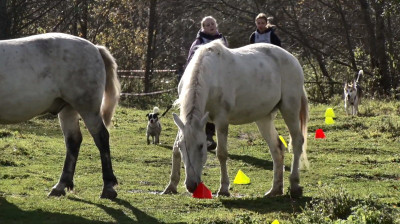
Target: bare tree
150, 45
4, 21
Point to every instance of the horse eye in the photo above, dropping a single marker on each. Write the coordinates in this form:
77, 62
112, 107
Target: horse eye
200, 146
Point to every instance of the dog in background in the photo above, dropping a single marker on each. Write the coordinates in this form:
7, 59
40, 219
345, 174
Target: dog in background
153, 126
352, 95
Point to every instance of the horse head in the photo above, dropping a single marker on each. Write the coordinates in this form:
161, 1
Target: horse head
350, 92
193, 148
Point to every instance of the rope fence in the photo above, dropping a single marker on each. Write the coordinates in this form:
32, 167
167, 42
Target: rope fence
141, 76
148, 94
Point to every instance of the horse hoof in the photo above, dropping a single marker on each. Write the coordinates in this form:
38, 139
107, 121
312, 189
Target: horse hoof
56, 193
109, 194
296, 192
225, 194
273, 193
170, 190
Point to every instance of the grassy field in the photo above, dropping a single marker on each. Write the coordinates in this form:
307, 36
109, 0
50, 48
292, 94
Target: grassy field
354, 175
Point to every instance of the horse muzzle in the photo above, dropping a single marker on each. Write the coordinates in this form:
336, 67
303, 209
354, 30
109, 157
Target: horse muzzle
192, 185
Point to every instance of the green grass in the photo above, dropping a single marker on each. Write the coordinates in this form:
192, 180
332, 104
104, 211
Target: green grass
354, 174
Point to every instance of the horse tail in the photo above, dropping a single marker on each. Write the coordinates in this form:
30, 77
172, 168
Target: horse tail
360, 73
112, 87
303, 125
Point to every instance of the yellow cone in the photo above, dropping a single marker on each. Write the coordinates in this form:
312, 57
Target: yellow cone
329, 113
283, 140
241, 178
275, 222
329, 120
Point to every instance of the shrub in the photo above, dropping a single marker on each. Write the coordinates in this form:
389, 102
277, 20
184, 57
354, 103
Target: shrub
337, 206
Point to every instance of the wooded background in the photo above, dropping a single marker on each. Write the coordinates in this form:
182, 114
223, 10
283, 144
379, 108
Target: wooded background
333, 39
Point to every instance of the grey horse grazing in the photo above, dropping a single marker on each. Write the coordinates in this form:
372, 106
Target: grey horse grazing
65, 75
239, 86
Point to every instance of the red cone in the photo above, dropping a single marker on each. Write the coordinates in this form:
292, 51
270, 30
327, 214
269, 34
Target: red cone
319, 133
202, 192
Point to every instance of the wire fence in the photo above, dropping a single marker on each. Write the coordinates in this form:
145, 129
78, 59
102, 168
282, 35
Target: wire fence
165, 81
161, 78
163, 90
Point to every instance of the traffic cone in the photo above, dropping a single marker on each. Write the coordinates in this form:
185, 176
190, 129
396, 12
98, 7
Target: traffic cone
329, 113
319, 133
329, 120
283, 141
202, 192
241, 178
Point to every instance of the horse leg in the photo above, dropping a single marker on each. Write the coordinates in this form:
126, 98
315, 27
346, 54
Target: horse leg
69, 121
222, 154
356, 106
267, 129
347, 108
176, 170
291, 118
100, 134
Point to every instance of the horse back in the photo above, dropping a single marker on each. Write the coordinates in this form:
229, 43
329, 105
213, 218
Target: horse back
40, 72
247, 83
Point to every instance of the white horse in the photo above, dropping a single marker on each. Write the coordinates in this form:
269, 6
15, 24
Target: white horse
65, 75
239, 86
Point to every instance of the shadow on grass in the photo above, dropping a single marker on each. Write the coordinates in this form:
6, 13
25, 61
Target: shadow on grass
260, 163
265, 205
119, 215
9, 213
35, 127
169, 147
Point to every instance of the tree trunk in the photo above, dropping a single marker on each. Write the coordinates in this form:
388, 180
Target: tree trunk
394, 57
370, 33
4, 21
346, 29
84, 19
324, 70
385, 79
150, 50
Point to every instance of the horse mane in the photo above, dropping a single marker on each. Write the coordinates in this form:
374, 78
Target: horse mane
191, 99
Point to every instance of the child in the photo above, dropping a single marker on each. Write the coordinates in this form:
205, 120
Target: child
265, 31
208, 33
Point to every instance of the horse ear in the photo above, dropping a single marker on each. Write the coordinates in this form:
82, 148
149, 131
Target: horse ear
178, 121
204, 120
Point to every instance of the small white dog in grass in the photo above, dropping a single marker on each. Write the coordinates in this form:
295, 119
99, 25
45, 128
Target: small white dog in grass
153, 126
352, 96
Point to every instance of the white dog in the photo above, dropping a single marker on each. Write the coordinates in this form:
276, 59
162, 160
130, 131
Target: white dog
352, 96
153, 126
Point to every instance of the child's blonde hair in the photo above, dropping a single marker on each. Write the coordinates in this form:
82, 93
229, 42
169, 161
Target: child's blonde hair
208, 17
